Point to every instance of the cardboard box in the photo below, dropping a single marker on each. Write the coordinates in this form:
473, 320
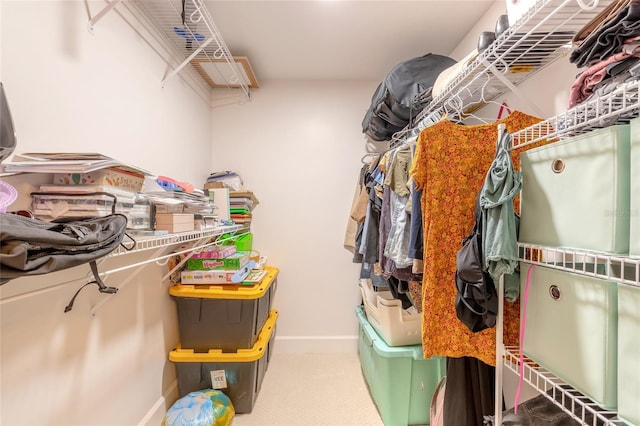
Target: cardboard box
223, 276
175, 222
235, 261
214, 252
213, 185
113, 176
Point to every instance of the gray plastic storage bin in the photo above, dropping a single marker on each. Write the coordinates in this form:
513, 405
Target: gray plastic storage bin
239, 375
226, 317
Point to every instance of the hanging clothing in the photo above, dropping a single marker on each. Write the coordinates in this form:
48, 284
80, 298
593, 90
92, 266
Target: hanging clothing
499, 233
353, 233
389, 267
398, 172
369, 246
470, 393
416, 243
450, 165
397, 178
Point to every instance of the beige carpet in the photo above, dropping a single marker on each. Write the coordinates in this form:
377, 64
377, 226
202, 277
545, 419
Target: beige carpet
312, 390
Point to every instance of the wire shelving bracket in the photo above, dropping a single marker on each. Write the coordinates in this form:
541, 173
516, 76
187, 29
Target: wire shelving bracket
537, 39
98, 16
189, 29
574, 403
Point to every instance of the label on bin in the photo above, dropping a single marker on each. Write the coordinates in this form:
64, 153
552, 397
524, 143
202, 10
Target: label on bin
218, 379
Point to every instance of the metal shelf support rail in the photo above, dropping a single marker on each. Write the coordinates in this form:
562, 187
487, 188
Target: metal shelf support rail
199, 37
93, 21
172, 239
197, 245
539, 38
618, 106
158, 243
609, 267
578, 406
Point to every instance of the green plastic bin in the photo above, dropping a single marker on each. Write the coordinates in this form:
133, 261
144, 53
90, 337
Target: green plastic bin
400, 380
243, 242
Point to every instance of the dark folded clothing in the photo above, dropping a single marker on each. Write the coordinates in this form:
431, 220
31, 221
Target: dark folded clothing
610, 37
535, 412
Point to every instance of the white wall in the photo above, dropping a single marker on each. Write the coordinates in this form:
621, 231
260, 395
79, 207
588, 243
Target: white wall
298, 146
70, 90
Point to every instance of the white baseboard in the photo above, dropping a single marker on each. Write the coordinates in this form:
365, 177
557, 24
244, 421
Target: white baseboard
157, 412
315, 344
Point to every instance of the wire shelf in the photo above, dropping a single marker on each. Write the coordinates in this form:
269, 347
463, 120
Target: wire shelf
148, 243
577, 405
611, 267
616, 107
192, 33
537, 39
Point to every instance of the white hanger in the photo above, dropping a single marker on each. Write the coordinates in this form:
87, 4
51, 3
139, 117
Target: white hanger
370, 154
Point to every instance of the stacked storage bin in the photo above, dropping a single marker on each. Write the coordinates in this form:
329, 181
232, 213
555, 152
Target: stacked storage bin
388, 318
227, 332
576, 195
400, 380
629, 302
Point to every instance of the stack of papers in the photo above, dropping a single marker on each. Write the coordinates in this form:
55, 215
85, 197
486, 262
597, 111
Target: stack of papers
65, 162
241, 205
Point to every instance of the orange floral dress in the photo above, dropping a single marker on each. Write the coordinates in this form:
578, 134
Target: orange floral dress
450, 164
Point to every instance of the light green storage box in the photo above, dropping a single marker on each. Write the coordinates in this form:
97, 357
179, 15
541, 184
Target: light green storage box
634, 241
572, 328
401, 381
629, 353
575, 193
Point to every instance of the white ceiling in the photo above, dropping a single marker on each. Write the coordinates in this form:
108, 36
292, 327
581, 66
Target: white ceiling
340, 40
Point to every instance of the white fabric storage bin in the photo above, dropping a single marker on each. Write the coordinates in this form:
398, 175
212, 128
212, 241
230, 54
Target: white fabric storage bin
629, 353
634, 226
386, 316
571, 330
575, 193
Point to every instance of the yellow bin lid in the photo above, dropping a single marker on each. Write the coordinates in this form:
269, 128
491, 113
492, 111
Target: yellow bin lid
226, 291
242, 355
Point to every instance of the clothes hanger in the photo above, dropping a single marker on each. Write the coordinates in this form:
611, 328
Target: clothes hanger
452, 108
463, 114
366, 156
483, 101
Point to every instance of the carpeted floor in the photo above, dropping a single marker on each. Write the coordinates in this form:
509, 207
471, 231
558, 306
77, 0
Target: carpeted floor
312, 390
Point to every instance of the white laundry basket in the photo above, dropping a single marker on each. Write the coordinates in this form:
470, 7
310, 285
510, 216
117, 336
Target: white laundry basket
396, 326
